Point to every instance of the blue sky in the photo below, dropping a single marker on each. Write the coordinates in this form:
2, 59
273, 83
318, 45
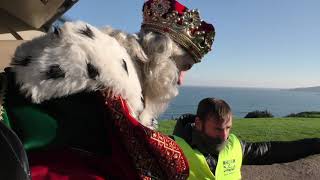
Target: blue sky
265, 43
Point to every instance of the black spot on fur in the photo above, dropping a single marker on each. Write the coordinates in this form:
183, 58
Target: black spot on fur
17, 61
143, 102
124, 65
92, 71
55, 72
87, 32
57, 31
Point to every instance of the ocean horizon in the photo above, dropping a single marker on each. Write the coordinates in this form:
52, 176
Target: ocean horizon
280, 102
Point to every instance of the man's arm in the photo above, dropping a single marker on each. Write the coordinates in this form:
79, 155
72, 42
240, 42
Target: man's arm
183, 127
278, 151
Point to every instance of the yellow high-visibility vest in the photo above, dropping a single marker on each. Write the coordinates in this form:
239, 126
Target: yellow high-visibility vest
229, 161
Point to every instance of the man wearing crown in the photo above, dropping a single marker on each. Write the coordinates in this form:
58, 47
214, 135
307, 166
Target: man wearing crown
84, 101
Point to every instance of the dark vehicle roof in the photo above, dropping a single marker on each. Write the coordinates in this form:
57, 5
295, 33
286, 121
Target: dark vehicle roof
20, 15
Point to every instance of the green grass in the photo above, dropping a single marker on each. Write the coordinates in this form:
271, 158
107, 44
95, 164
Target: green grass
266, 129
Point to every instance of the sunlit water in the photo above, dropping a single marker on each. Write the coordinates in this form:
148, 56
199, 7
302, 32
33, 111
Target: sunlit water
243, 100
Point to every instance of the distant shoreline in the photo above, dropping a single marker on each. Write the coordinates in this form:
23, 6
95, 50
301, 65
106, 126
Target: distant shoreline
231, 87
280, 102
307, 89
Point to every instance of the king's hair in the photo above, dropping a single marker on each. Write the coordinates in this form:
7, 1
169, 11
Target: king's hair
158, 71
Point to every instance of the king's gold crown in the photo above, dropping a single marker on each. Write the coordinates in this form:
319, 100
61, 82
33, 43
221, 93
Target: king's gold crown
184, 26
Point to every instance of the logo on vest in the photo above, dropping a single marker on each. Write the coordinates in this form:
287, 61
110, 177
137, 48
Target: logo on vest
229, 166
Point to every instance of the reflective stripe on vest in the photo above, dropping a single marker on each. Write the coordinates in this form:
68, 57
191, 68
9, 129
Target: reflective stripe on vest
229, 161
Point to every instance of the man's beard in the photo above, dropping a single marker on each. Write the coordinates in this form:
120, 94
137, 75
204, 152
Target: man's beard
159, 88
206, 144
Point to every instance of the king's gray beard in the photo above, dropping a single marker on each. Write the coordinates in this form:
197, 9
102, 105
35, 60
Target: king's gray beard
159, 88
161, 81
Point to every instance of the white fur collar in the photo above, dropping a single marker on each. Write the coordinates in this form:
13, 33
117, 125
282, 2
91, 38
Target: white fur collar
74, 58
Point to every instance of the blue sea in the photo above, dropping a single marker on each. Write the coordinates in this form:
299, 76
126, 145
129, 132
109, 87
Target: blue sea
279, 102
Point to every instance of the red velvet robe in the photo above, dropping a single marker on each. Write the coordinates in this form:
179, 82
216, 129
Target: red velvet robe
137, 153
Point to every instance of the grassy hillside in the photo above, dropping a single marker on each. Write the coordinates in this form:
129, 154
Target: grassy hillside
306, 114
267, 129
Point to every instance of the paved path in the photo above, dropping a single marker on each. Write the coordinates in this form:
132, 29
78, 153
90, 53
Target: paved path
303, 169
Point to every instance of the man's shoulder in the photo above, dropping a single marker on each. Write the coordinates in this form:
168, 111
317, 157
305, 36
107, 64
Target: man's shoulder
183, 127
233, 136
185, 119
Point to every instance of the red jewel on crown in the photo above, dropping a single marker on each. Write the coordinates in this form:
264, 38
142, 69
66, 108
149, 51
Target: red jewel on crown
183, 25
